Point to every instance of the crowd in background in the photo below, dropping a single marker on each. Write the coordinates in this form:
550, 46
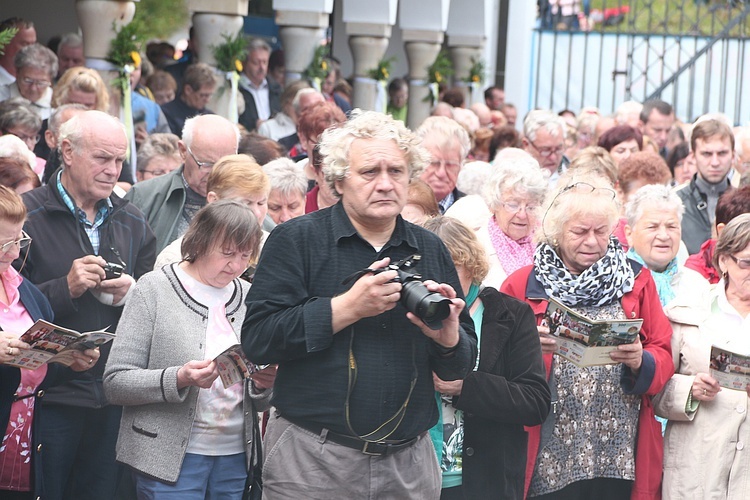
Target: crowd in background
638, 214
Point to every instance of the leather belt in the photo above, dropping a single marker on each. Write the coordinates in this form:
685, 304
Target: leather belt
380, 448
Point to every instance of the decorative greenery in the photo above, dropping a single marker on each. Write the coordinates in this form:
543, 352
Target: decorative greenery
125, 47
476, 72
441, 69
318, 67
231, 54
5, 37
161, 18
383, 71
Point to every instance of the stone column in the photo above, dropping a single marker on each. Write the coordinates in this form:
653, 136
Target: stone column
422, 48
367, 52
461, 56
95, 17
211, 20
302, 25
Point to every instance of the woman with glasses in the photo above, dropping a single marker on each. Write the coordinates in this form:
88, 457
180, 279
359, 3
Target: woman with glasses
708, 428
36, 68
184, 434
514, 194
158, 155
21, 391
18, 118
601, 440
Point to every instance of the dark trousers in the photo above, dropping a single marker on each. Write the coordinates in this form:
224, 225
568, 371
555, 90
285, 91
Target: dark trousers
78, 458
594, 489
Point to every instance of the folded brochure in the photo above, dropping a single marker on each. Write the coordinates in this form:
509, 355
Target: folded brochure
234, 367
730, 369
51, 343
585, 341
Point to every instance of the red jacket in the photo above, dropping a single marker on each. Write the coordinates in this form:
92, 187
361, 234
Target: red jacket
703, 262
658, 367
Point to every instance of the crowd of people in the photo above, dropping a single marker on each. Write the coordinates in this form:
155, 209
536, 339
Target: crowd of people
384, 290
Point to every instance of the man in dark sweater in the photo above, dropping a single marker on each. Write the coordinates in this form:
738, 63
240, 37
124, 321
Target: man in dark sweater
198, 87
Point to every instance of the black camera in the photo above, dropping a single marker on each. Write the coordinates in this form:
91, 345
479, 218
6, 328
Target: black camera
112, 270
431, 307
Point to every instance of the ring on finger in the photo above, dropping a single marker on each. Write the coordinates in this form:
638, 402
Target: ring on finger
705, 392
10, 351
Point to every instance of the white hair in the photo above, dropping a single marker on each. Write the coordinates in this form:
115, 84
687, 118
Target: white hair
13, 147
520, 174
473, 177
656, 194
286, 177
542, 118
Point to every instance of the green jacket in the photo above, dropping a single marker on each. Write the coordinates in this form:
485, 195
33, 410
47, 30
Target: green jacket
161, 200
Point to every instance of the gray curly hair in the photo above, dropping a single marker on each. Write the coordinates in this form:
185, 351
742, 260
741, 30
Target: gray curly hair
336, 142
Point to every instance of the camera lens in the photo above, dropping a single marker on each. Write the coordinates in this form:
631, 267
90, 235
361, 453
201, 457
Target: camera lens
430, 307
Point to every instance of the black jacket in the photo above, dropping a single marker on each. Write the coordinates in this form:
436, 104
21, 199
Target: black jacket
59, 239
249, 117
507, 391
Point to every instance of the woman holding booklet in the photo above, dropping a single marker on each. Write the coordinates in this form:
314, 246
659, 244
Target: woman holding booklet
601, 439
182, 431
21, 304
706, 400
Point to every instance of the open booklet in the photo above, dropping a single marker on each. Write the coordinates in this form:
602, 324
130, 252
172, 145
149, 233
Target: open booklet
730, 369
234, 367
585, 341
51, 343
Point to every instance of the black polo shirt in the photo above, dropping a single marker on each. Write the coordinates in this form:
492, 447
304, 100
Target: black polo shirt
288, 322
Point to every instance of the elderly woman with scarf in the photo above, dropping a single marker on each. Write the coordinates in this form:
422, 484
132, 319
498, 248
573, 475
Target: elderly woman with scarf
514, 194
601, 439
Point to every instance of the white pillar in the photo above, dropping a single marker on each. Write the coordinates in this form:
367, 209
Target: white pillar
423, 23
211, 20
467, 33
422, 49
302, 25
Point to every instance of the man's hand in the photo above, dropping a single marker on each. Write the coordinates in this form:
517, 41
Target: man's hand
85, 273
372, 294
450, 388
84, 360
118, 287
448, 335
197, 373
264, 378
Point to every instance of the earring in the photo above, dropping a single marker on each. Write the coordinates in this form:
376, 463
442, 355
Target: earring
555, 242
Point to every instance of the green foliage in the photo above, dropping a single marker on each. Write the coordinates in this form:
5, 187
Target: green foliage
383, 71
5, 37
318, 67
476, 72
161, 18
441, 69
676, 17
231, 54
125, 47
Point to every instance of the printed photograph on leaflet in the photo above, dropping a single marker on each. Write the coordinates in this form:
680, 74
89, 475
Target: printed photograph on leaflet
234, 367
730, 369
51, 343
585, 341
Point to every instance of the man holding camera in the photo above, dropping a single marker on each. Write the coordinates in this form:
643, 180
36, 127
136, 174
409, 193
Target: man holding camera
354, 396
88, 248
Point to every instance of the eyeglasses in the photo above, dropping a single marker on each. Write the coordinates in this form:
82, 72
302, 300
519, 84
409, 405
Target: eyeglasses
22, 242
25, 138
205, 165
42, 84
741, 263
449, 165
545, 152
513, 208
586, 188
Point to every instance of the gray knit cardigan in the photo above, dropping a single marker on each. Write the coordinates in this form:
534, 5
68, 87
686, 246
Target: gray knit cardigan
162, 328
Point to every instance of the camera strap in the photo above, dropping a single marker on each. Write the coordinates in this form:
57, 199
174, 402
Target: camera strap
385, 430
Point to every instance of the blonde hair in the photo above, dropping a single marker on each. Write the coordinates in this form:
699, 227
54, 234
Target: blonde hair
83, 80
240, 173
462, 244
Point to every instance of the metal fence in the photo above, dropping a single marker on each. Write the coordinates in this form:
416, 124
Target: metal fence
691, 53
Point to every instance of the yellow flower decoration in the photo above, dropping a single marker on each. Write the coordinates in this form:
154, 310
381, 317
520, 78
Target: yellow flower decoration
438, 77
136, 57
324, 65
238, 65
475, 78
